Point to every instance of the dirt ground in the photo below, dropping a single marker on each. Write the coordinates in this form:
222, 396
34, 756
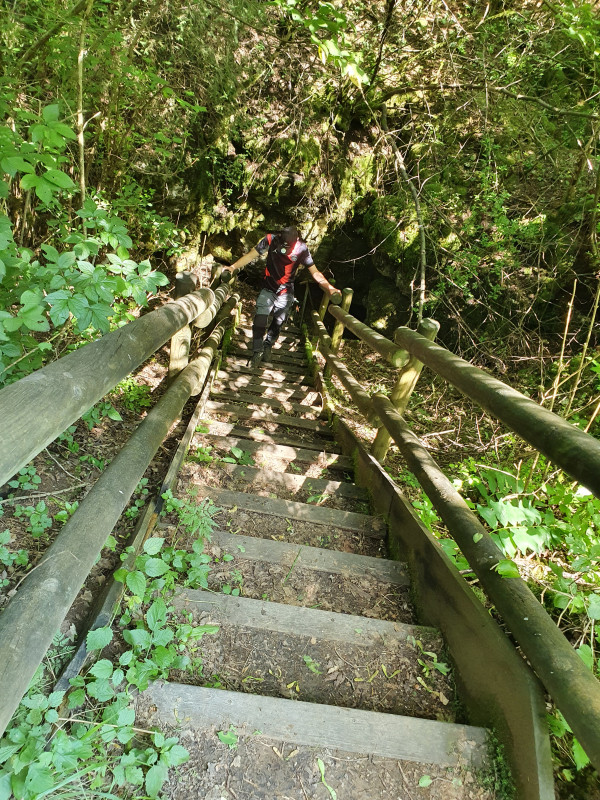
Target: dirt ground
255, 767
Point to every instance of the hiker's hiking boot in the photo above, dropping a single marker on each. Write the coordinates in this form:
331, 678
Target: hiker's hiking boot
267, 353
256, 359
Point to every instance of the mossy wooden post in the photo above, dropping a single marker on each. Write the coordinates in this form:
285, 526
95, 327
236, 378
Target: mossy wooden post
185, 283
338, 328
404, 387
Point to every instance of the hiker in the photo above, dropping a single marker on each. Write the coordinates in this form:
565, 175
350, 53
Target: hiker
286, 251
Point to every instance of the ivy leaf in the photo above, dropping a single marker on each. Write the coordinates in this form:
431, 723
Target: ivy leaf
579, 756
98, 639
425, 781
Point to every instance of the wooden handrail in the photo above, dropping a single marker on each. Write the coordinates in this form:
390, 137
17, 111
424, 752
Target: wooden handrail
359, 397
32, 617
392, 353
40, 406
574, 451
571, 684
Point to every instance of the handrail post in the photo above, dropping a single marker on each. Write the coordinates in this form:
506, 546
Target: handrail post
323, 306
179, 350
403, 388
338, 328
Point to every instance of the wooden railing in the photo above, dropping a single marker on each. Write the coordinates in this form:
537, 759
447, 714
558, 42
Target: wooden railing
573, 687
39, 407
36, 409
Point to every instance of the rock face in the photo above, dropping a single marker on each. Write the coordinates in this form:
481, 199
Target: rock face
387, 306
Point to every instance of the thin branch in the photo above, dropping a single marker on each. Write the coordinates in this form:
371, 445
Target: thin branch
402, 169
53, 30
443, 87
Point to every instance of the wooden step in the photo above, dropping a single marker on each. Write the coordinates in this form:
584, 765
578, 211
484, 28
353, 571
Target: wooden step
373, 527
280, 358
320, 656
278, 351
259, 399
273, 480
297, 451
243, 412
283, 372
306, 395
203, 711
299, 557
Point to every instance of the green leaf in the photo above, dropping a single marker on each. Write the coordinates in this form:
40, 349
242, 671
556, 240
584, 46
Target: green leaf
153, 546
58, 178
507, 568
77, 698
176, 755
51, 113
156, 615
39, 779
14, 164
126, 716
44, 191
64, 130
579, 756
136, 583
29, 181
155, 777
102, 668
34, 318
425, 781
138, 637
587, 655
155, 567
593, 609
98, 639
101, 690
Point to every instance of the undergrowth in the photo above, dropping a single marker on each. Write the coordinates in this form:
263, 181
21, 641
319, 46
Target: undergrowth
84, 742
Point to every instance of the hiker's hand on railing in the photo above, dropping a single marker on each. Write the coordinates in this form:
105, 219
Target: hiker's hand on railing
335, 296
228, 274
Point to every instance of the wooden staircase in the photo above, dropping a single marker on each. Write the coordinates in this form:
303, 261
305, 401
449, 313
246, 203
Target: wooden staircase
318, 682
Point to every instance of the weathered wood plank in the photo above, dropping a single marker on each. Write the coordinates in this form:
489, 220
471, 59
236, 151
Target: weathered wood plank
298, 620
296, 722
273, 479
313, 558
243, 412
289, 509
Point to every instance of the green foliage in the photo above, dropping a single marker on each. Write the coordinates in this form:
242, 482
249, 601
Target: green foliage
27, 478
134, 396
94, 416
96, 749
9, 559
39, 518
238, 456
